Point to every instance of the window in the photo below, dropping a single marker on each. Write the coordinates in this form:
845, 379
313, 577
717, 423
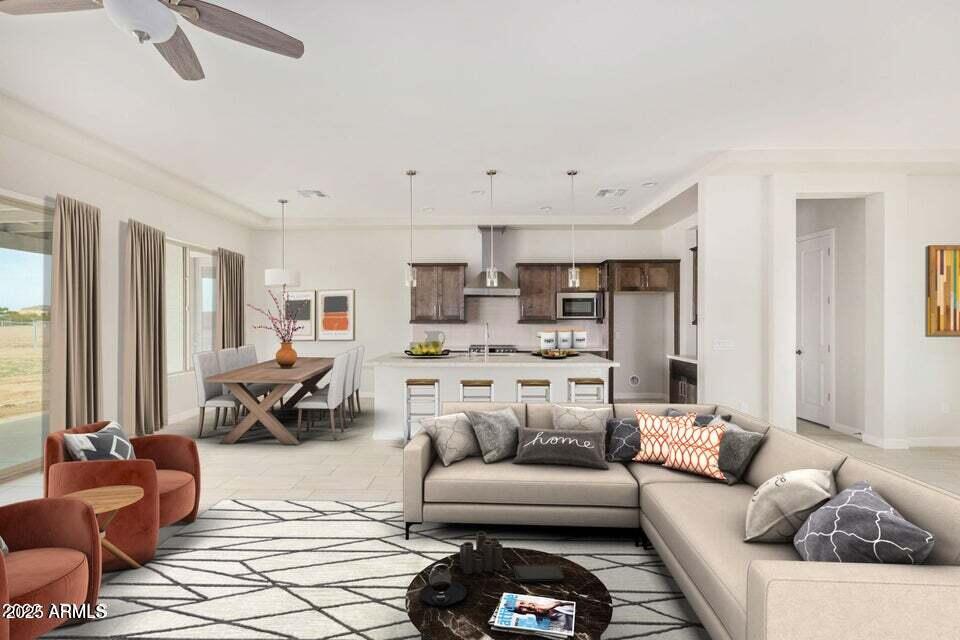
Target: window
191, 294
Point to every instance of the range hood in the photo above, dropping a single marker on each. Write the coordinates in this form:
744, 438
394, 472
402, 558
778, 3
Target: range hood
477, 286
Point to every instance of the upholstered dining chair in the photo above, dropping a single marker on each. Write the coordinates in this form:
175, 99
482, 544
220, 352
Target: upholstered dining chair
210, 394
54, 559
166, 467
329, 398
358, 376
243, 356
348, 382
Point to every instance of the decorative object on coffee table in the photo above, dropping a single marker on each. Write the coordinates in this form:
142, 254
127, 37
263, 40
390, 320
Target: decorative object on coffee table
107, 502
441, 590
470, 619
487, 557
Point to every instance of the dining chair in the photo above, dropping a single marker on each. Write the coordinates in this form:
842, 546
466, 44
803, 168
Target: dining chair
330, 398
211, 394
358, 375
247, 356
348, 382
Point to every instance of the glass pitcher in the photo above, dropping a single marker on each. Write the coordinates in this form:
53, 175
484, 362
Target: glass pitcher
434, 341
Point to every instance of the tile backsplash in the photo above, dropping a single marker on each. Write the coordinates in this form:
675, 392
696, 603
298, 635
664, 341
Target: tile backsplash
501, 314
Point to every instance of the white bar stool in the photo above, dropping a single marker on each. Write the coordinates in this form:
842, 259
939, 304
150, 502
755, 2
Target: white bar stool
533, 391
476, 391
591, 390
421, 400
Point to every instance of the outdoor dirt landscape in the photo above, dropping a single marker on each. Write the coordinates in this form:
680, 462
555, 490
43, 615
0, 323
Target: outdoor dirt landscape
21, 371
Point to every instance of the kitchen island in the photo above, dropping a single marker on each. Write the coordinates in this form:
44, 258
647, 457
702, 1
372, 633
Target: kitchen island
392, 370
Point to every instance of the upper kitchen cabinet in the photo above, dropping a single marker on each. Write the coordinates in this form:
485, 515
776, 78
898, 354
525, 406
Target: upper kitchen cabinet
644, 275
538, 292
438, 295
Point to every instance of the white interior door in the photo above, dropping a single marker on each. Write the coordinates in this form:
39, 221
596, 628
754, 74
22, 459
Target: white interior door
815, 328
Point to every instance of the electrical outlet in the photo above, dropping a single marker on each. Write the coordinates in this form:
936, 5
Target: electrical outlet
722, 344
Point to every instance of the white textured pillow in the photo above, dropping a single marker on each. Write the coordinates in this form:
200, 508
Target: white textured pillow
452, 436
580, 418
782, 504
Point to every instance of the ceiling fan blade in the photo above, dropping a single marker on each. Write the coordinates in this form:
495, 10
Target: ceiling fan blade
27, 7
229, 24
179, 53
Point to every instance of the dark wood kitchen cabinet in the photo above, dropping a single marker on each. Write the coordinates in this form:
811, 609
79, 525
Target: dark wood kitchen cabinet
438, 295
538, 292
645, 275
591, 277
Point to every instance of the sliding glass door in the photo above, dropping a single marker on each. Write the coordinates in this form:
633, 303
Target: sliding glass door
25, 278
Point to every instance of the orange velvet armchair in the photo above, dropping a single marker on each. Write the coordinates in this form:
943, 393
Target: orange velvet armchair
167, 467
54, 559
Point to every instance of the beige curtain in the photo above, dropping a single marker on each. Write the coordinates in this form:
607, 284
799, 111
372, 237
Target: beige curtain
230, 307
144, 352
75, 374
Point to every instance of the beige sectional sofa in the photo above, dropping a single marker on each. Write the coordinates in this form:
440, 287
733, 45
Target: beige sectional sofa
739, 590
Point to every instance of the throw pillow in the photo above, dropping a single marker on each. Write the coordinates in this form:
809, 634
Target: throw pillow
452, 436
702, 419
655, 435
623, 439
780, 505
579, 418
737, 450
858, 525
109, 443
4, 549
496, 433
576, 448
696, 450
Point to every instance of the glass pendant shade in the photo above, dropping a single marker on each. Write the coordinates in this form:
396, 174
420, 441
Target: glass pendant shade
493, 277
149, 21
281, 277
573, 277
410, 276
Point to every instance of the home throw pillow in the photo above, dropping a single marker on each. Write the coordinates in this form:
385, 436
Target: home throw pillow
576, 448
695, 449
578, 418
781, 504
623, 439
702, 419
737, 450
858, 525
109, 443
655, 435
452, 436
496, 433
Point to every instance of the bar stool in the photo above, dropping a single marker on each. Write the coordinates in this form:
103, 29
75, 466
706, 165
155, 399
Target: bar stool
533, 391
420, 393
476, 390
593, 390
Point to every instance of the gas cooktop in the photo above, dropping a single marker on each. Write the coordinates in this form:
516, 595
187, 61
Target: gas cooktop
494, 349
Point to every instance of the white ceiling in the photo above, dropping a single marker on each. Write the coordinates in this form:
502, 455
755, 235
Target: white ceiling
626, 91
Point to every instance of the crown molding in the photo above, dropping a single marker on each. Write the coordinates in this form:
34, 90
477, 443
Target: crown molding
28, 125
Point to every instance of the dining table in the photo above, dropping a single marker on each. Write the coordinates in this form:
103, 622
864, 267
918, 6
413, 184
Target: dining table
305, 373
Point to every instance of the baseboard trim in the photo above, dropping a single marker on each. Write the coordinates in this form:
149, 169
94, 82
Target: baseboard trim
182, 416
886, 443
846, 430
935, 441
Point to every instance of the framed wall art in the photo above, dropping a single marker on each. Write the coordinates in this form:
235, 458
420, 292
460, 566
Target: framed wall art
943, 290
302, 305
336, 315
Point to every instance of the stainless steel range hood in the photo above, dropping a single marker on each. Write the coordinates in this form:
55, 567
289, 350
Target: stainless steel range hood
477, 286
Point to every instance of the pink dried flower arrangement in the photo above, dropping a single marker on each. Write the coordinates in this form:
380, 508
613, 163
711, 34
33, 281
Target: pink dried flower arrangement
282, 325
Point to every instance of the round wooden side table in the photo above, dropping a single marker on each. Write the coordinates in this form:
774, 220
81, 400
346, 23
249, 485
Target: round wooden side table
107, 501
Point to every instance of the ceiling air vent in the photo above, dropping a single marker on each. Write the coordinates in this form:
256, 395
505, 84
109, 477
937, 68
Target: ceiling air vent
610, 192
311, 193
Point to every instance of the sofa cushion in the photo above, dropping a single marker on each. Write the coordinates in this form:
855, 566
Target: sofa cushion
472, 480
466, 407
580, 418
784, 451
703, 523
652, 473
178, 492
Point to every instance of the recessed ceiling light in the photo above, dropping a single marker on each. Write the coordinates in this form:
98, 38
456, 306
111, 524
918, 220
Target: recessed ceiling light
312, 193
427, 209
649, 184
610, 192
546, 209
478, 192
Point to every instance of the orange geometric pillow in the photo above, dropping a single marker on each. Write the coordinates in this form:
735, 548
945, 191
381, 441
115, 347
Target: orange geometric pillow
696, 450
655, 435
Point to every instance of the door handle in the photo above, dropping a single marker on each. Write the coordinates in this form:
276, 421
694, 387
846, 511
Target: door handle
799, 352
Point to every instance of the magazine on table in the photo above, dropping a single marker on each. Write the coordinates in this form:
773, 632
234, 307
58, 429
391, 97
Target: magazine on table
535, 615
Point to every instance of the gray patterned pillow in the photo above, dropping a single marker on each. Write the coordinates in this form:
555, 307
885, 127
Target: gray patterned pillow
858, 525
781, 504
580, 419
110, 443
452, 437
4, 549
576, 448
496, 433
623, 439
737, 449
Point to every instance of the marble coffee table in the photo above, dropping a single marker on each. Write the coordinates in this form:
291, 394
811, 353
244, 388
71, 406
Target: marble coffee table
468, 620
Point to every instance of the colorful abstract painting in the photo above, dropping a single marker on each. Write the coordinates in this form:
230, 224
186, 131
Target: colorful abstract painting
943, 290
302, 305
336, 315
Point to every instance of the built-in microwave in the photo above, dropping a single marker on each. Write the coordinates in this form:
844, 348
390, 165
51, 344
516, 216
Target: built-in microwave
580, 305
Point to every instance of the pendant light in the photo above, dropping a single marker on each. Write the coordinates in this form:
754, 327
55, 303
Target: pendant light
410, 273
573, 273
493, 276
282, 277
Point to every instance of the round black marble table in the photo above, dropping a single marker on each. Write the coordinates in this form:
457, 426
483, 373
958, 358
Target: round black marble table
469, 620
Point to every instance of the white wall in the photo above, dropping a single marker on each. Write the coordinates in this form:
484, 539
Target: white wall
676, 244
847, 217
32, 171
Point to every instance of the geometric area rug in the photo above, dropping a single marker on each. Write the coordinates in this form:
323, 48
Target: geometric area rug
339, 570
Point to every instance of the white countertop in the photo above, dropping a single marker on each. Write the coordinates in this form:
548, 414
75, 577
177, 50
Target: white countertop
460, 360
690, 359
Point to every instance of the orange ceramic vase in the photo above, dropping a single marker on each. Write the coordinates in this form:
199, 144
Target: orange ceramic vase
286, 356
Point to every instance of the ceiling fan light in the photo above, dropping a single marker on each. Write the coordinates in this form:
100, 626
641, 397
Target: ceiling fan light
149, 20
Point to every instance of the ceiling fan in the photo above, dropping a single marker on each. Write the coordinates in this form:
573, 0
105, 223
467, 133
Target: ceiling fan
155, 21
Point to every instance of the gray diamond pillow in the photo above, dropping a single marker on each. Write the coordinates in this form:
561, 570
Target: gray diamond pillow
110, 443
858, 525
781, 504
579, 418
496, 433
623, 439
737, 449
452, 437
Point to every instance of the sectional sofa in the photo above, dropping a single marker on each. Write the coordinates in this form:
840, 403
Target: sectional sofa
755, 591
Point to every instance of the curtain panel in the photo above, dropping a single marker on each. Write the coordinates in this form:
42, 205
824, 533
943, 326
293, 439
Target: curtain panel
230, 303
75, 369
144, 353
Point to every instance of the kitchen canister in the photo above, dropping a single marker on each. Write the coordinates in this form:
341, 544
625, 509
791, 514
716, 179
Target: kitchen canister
565, 339
579, 339
548, 339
